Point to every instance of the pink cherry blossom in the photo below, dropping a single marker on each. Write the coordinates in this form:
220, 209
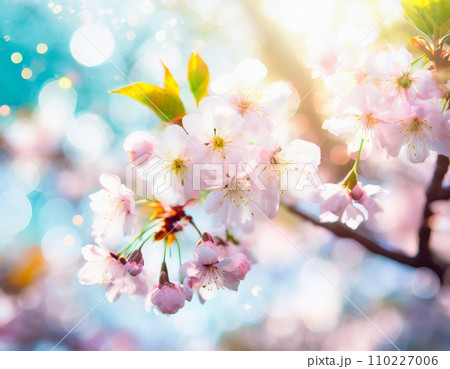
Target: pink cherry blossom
424, 129
260, 104
105, 267
188, 287
399, 78
353, 72
234, 203
323, 61
283, 167
114, 207
365, 196
168, 297
241, 262
210, 271
139, 143
226, 158
219, 131
365, 118
168, 173
350, 207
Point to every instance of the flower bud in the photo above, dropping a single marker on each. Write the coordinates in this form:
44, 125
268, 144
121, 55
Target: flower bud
357, 193
168, 297
135, 263
207, 240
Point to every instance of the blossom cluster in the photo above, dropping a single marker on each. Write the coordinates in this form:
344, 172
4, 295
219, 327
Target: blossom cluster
383, 104
392, 103
230, 157
233, 156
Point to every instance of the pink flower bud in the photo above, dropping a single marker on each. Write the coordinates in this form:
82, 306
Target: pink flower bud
207, 240
135, 263
168, 297
357, 193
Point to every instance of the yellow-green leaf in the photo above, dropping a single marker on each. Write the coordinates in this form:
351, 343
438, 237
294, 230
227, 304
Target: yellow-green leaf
432, 17
198, 77
169, 82
165, 104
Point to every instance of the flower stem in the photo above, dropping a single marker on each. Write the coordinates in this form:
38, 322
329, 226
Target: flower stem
179, 250
143, 243
351, 179
358, 156
165, 248
143, 231
196, 228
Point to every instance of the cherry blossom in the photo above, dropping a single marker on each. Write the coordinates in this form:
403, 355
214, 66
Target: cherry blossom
234, 203
398, 77
350, 207
225, 158
219, 131
210, 271
365, 118
241, 261
139, 143
169, 175
258, 103
283, 167
353, 72
168, 296
424, 129
107, 268
114, 207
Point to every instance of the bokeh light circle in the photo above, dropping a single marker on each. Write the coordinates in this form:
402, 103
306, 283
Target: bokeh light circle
424, 283
55, 100
8, 310
61, 246
15, 211
90, 135
92, 44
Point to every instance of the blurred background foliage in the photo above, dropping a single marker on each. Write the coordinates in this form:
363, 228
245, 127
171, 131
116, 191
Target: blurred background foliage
60, 129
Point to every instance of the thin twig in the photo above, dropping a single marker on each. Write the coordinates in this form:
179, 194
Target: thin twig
371, 245
342, 231
424, 256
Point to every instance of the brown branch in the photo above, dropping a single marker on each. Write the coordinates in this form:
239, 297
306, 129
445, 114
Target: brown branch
444, 194
342, 231
432, 194
424, 256
371, 245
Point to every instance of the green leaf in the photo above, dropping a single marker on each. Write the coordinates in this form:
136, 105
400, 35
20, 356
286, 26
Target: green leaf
198, 76
165, 104
169, 82
432, 17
